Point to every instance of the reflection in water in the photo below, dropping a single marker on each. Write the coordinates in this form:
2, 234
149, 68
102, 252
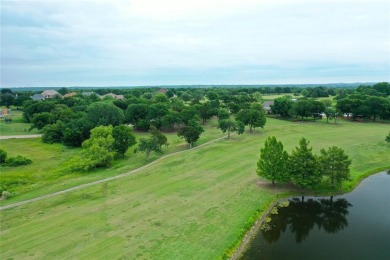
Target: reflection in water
301, 216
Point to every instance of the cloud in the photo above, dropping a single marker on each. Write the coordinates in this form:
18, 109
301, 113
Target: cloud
191, 42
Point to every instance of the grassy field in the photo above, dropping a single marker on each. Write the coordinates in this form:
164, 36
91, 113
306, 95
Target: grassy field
17, 127
50, 170
193, 205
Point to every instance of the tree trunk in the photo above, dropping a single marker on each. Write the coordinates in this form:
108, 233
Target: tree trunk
147, 154
190, 145
273, 183
228, 134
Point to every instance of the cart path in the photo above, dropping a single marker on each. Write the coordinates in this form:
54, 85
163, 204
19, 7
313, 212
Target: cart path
4, 137
24, 202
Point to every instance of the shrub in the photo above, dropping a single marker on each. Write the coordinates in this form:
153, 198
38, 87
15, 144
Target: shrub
5, 195
3, 156
17, 161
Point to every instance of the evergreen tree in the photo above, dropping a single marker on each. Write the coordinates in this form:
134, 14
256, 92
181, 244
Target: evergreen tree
273, 161
334, 164
304, 166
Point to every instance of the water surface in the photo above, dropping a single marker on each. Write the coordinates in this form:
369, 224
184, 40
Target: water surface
351, 226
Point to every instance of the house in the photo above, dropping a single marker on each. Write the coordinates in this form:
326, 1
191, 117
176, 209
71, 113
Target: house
37, 97
5, 112
87, 93
267, 106
119, 97
50, 94
90, 93
162, 91
71, 94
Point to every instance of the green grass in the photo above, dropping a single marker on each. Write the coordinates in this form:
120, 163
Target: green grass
50, 170
272, 97
17, 127
193, 205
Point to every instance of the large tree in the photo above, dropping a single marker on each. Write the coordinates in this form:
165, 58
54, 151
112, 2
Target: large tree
303, 108
252, 117
191, 132
229, 125
104, 113
97, 150
161, 138
273, 161
147, 145
334, 164
123, 139
304, 166
282, 106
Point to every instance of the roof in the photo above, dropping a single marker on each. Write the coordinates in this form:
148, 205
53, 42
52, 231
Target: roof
37, 97
267, 104
50, 93
71, 94
120, 97
162, 90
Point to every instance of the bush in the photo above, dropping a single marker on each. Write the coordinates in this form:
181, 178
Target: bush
3, 156
17, 161
5, 195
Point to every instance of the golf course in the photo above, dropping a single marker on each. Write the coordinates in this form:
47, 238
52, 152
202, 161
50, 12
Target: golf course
195, 204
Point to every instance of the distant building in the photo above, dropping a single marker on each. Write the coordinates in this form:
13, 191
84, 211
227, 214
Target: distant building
50, 94
71, 94
267, 106
119, 97
162, 91
87, 93
5, 112
37, 97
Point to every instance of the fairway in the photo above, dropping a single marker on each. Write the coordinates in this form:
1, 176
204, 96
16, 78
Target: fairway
192, 205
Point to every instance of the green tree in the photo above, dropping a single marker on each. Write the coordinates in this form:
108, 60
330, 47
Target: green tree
282, 106
223, 114
103, 113
123, 139
53, 133
161, 138
77, 131
273, 161
376, 105
3, 156
252, 118
191, 132
304, 166
303, 108
388, 138
147, 145
7, 100
97, 151
334, 164
40, 120
229, 125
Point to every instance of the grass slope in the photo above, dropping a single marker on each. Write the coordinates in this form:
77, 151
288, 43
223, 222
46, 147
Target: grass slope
50, 170
17, 127
192, 205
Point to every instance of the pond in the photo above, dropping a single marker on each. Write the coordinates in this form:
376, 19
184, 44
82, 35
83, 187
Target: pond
352, 226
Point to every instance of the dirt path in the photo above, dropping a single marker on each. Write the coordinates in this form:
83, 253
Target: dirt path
16, 204
3, 137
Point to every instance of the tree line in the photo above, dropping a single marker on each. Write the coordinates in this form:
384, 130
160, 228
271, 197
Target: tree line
302, 167
364, 102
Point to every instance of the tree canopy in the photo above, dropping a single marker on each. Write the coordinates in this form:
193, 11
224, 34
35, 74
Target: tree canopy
273, 162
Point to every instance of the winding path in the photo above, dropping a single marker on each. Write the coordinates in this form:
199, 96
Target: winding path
106, 179
4, 137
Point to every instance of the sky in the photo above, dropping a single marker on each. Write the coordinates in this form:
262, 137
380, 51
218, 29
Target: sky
203, 42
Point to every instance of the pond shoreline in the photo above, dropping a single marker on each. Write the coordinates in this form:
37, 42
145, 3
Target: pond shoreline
245, 241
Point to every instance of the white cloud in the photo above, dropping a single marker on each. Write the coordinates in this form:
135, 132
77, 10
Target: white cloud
150, 36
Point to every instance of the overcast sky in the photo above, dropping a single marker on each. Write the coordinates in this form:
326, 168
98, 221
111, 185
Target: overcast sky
158, 42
